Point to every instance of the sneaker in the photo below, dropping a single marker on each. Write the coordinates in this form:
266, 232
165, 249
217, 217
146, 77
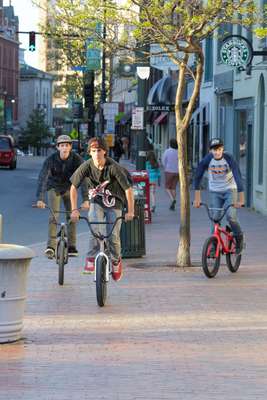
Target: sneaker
89, 267
72, 251
50, 253
172, 206
117, 270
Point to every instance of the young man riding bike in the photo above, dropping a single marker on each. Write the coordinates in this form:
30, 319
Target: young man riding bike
109, 189
225, 185
54, 178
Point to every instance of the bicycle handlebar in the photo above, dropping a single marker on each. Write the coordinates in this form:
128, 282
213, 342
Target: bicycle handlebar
217, 219
100, 235
54, 212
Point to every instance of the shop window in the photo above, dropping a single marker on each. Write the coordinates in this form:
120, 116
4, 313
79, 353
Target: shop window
261, 130
208, 74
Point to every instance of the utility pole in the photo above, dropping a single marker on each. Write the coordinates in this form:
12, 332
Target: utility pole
103, 96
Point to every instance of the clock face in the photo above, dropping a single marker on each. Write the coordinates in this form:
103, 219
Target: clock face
236, 51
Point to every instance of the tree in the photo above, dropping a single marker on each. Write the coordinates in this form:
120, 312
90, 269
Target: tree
37, 131
179, 27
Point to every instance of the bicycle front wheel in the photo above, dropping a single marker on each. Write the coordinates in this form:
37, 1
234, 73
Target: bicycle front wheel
210, 263
62, 259
233, 260
101, 284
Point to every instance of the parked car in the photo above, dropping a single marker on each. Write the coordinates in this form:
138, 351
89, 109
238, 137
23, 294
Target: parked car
8, 152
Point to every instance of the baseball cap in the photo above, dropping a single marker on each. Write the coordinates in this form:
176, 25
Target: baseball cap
64, 139
215, 142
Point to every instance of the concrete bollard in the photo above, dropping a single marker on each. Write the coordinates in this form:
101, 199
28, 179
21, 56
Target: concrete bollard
14, 263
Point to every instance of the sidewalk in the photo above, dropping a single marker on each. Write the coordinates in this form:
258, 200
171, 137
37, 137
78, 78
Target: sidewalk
165, 333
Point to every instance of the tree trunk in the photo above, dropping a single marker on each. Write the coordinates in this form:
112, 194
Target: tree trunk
183, 253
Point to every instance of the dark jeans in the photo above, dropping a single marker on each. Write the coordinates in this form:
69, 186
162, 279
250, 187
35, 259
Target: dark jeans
54, 200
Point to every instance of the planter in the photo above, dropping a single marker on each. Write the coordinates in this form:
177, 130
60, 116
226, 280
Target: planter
14, 262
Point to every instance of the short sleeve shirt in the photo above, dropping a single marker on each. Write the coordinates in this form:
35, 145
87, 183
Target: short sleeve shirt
106, 187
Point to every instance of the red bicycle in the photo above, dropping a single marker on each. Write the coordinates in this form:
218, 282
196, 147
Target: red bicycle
222, 241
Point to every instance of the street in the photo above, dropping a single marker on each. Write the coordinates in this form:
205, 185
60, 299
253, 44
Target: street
22, 224
165, 333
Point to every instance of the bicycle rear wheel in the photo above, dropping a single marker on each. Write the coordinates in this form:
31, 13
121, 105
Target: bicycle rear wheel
210, 263
101, 284
62, 259
233, 260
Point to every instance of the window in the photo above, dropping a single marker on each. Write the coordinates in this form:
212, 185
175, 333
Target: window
208, 73
223, 31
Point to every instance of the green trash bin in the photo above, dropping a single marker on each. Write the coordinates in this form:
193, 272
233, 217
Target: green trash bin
133, 242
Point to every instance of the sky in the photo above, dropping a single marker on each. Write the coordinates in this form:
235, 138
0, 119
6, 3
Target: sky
28, 21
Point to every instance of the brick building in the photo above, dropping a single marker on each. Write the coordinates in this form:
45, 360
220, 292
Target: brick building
9, 68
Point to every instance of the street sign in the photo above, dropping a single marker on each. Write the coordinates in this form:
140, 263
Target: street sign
236, 51
138, 118
110, 128
79, 68
93, 56
110, 110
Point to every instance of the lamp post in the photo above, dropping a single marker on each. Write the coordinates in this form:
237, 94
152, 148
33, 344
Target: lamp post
143, 73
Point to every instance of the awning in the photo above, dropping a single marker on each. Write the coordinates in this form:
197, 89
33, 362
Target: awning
161, 119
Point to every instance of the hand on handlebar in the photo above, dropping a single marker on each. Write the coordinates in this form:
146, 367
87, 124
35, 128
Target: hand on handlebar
75, 215
40, 204
129, 216
238, 204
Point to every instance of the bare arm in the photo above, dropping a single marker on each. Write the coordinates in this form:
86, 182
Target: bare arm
73, 199
197, 199
130, 203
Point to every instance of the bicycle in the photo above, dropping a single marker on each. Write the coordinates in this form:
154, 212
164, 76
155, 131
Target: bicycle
61, 254
103, 264
222, 241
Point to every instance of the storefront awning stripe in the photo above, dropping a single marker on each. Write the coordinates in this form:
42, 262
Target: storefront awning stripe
161, 119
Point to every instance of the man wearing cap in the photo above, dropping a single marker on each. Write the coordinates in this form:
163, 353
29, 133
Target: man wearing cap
225, 185
54, 178
109, 191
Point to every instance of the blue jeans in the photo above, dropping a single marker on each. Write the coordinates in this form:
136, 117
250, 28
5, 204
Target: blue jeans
98, 213
222, 200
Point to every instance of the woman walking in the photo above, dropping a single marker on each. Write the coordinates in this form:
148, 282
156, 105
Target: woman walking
152, 166
170, 164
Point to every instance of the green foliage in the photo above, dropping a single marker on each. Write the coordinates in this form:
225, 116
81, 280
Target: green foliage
37, 131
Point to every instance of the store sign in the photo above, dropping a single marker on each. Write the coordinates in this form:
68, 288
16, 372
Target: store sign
160, 107
236, 51
138, 118
110, 110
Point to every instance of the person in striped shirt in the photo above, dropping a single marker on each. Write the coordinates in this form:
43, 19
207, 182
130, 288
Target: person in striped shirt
225, 185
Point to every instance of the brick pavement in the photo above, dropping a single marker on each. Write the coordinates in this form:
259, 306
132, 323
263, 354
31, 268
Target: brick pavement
165, 333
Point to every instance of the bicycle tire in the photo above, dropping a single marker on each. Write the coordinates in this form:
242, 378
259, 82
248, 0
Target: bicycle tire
101, 284
61, 260
210, 270
232, 259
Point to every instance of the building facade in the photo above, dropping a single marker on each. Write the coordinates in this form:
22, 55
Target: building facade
9, 69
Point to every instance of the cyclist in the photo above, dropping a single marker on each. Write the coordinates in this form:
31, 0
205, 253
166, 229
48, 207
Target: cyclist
54, 178
225, 185
109, 189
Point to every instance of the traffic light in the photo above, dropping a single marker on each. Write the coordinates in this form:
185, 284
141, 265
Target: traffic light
32, 41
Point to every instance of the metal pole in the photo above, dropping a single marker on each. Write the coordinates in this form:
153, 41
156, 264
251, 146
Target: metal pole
103, 84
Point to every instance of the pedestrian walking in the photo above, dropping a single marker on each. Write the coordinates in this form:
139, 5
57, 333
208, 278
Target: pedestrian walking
152, 167
109, 190
54, 179
225, 183
170, 165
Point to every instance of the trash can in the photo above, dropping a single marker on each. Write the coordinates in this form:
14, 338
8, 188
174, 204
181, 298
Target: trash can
133, 243
14, 262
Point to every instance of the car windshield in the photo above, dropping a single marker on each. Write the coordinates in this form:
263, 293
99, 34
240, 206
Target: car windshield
4, 144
